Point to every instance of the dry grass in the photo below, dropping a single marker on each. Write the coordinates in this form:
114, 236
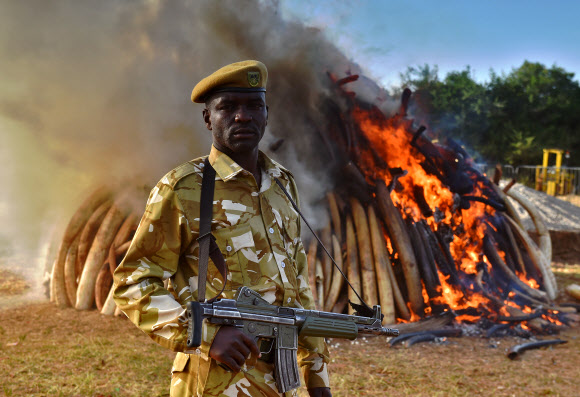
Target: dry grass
12, 284
49, 352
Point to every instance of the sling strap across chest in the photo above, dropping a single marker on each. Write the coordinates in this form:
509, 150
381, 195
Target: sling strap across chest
208, 248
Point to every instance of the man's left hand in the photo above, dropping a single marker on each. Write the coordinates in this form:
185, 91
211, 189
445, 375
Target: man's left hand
320, 392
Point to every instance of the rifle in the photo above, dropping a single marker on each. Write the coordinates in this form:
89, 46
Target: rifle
282, 325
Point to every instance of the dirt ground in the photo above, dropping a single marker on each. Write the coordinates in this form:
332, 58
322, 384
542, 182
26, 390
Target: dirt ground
45, 351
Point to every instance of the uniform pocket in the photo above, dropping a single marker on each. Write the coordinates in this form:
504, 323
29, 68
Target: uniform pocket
180, 362
237, 245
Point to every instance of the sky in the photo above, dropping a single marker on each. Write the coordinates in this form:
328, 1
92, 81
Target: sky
385, 37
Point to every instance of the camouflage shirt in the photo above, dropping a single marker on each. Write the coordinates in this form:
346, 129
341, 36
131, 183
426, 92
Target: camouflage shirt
258, 232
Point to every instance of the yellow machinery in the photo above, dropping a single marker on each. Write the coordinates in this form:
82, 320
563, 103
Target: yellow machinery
554, 180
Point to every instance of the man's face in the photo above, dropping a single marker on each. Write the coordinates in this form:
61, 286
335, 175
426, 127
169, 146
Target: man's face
237, 120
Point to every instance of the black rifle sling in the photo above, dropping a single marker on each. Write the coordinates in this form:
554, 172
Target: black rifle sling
366, 309
207, 245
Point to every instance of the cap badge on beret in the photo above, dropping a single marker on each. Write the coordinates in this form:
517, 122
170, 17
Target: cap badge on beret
253, 79
244, 76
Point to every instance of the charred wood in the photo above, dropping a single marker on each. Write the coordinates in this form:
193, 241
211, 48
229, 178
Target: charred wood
426, 337
347, 79
496, 328
423, 230
443, 332
492, 203
515, 351
396, 173
426, 324
359, 185
444, 236
422, 260
417, 134
518, 319
498, 264
405, 97
419, 195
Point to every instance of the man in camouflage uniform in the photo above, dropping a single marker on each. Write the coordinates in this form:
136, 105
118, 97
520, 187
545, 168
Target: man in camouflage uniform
256, 229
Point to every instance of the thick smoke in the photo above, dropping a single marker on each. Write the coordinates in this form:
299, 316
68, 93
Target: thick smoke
98, 92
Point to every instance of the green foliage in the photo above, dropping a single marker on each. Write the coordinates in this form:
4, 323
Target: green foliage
509, 119
522, 149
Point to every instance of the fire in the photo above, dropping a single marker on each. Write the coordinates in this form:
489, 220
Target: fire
428, 309
530, 281
414, 316
392, 143
456, 222
552, 320
455, 298
449, 294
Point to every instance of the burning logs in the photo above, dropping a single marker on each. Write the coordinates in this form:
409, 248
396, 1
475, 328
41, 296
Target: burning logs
402, 244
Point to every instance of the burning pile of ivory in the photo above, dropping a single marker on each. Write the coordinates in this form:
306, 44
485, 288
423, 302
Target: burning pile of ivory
411, 222
420, 231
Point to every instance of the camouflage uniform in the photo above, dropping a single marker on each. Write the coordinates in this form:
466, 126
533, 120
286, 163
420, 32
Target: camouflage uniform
258, 233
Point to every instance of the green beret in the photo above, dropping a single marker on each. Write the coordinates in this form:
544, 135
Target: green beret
245, 76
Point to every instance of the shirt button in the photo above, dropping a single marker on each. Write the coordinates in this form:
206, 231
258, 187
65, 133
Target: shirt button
229, 248
271, 230
283, 264
289, 300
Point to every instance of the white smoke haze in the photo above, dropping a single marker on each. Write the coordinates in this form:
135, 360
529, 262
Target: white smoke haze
99, 93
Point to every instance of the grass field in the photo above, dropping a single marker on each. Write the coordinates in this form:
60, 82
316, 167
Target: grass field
45, 351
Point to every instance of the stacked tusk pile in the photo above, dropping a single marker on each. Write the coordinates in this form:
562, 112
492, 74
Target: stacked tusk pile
94, 243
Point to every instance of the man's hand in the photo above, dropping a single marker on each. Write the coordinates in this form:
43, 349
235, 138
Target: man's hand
232, 347
320, 392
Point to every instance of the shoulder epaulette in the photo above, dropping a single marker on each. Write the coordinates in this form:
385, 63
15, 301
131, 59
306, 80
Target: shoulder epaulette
178, 173
282, 168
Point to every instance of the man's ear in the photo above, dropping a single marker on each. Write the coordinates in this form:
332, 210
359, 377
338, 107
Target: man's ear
206, 118
267, 112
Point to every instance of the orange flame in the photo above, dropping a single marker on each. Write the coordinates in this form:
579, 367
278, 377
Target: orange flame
392, 148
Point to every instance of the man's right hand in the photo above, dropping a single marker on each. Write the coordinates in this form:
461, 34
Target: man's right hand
232, 347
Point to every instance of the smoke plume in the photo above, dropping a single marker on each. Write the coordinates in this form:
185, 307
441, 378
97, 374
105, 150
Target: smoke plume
99, 93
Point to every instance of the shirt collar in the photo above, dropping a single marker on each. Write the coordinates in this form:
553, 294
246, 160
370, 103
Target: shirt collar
226, 168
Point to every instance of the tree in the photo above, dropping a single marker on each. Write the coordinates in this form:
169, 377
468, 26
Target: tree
534, 102
510, 119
